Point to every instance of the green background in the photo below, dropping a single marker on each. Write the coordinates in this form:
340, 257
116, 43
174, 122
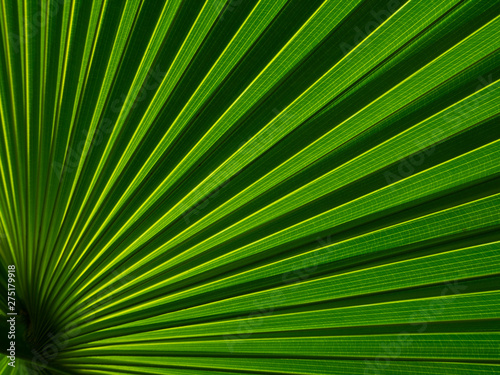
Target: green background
251, 187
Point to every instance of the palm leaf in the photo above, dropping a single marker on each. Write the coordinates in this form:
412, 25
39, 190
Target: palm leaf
250, 187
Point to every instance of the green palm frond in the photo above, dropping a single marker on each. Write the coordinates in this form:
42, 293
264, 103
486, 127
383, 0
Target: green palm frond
250, 187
